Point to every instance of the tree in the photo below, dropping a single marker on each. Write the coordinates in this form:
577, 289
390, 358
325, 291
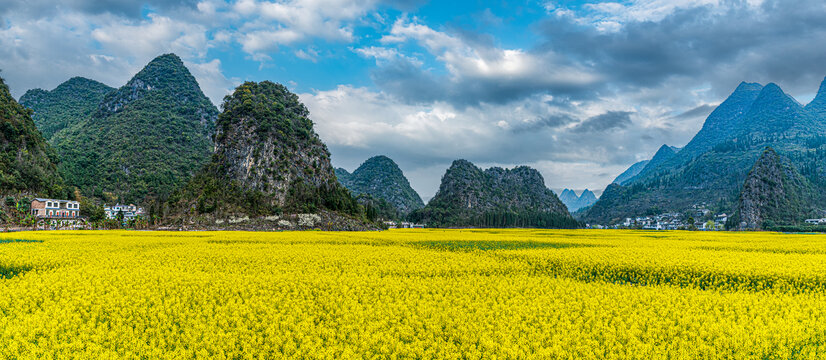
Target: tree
710, 225
91, 210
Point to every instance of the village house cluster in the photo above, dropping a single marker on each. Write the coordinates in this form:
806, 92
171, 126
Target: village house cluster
699, 217
57, 209
403, 225
130, 212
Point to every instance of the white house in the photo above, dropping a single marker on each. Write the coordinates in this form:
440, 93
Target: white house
129, 211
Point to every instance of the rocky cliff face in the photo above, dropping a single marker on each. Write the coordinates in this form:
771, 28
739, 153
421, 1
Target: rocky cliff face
469, 196
774, 192
381, 178
27, 162
267, 160
265, 142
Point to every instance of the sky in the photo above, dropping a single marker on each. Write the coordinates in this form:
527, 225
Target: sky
579, 90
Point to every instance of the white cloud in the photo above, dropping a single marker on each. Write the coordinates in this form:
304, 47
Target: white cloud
106, 48
151, 37
258, 43
212, 80
267, 25
310, 54
42, 53
384, 55
503, 68
424, 138
610, 16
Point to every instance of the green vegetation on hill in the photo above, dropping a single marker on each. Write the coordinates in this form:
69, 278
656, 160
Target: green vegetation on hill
27, 162
496, 197
144, 140
381, 179
69, 103
267, 160
378, 209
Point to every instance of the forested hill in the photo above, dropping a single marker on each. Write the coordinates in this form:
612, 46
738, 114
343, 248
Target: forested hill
268, 161
144, 139
381, 178
68, 104
27, 162
710, 171
773, 193
496, 197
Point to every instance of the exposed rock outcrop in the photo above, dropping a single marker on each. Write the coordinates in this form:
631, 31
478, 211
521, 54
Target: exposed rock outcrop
773, 193
268, 161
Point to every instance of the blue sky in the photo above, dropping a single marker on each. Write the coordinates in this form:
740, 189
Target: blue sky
579, 90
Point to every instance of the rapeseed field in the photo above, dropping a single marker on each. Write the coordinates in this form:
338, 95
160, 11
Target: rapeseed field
447, 294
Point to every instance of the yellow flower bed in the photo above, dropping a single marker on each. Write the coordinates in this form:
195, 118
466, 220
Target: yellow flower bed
447, 294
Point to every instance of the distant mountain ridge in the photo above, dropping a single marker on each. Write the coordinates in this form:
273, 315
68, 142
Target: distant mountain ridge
68, 104
711, 169
381, 178
471, 197
576, 202
663, 155
630, 173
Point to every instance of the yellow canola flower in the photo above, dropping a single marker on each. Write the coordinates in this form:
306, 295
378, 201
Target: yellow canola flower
446, 294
